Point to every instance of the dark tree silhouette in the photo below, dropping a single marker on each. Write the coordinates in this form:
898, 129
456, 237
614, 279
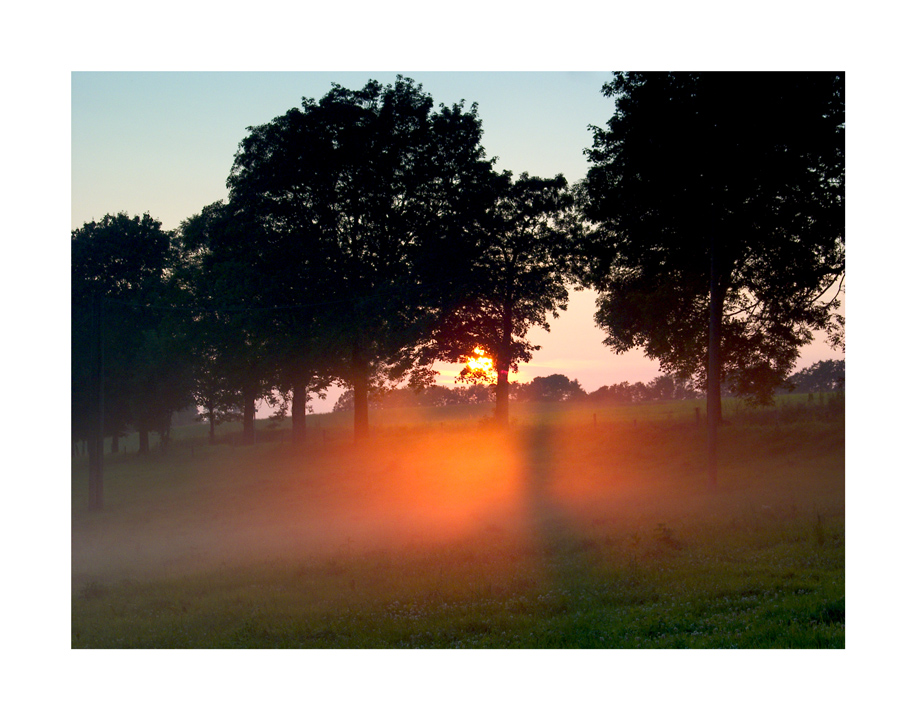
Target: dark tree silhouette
823, 376
232, 327
123, 261
518, 274
719, 205
553, 388
211, 334
364, 195
120, 265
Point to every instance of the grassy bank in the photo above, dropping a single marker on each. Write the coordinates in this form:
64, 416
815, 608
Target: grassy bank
578, 527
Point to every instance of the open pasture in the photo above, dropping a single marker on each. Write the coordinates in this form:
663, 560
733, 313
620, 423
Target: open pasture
579, 526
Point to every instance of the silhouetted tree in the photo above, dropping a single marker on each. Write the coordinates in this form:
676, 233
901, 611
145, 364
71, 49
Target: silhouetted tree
372, 192
618, 393
518, 274
823, 376
124, 261
553, 388
719, 205
219, 401
230, 325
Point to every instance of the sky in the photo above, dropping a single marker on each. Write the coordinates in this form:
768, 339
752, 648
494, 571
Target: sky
164, 142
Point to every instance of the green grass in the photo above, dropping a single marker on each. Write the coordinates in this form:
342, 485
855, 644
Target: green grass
575, 528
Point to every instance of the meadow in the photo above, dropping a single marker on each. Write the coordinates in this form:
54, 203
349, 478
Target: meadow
580, 526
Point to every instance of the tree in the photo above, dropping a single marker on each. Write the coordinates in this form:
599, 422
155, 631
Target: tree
718, 204
119, 265
162, 379
122, 262
823, 376
363, 197
517, 278
229, 327
553, 388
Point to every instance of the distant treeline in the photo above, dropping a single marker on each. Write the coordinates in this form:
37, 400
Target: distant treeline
553, 388
824, 376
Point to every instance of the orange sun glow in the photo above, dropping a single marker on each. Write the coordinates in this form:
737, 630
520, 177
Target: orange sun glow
479, 362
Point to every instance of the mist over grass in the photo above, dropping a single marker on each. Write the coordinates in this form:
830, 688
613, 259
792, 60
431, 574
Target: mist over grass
579, 526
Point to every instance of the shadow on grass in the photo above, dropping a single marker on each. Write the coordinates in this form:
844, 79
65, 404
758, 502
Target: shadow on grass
566, 551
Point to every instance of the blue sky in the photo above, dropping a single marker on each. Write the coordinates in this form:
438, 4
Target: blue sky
164, 142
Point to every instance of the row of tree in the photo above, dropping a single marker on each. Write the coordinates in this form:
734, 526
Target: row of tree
821, 376
366, 235
552, 388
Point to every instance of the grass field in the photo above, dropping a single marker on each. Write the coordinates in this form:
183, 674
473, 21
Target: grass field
580, 526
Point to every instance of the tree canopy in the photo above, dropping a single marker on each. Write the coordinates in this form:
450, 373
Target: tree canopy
718, 201
822, 376
518, 275
125, 263
363, 197
718, 204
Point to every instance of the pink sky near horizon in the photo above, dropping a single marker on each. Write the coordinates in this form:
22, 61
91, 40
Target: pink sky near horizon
574, 348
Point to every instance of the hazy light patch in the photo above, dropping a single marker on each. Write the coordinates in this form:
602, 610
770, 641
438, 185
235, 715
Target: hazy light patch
422, 490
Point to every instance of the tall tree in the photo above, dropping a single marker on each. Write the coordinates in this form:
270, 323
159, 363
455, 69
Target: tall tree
232, 324
718, 200
120, 261
518, 275
214, 391
363, 196
118, 265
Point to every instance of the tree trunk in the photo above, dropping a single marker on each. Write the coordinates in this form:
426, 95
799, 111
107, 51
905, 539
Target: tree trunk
300, 402
143, 433
165, 435
501, 413
360, 395
714, 366
211, 415
248, 411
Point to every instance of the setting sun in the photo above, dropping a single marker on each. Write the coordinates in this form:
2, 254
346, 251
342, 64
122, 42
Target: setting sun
480, 362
